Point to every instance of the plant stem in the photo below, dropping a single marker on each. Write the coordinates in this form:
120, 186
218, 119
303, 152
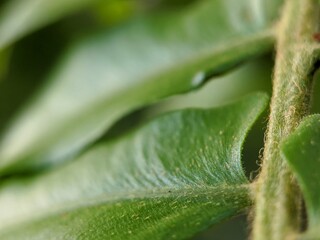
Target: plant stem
276, 215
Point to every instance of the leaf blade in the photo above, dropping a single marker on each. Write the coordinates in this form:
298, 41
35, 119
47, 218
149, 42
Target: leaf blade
198, 171
301, 151
134, 66
170, 224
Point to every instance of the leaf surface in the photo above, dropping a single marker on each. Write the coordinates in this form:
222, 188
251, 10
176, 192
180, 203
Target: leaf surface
110, 74
175, 176
302, 151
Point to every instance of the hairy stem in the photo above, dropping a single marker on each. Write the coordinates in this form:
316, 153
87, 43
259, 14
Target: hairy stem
277, 198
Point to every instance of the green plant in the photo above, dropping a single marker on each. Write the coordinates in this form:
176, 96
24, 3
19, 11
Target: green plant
79, 161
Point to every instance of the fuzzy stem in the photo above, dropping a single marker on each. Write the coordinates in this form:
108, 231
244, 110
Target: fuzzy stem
277, 198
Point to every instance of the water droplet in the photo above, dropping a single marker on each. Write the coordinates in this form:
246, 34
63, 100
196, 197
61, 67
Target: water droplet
198, 79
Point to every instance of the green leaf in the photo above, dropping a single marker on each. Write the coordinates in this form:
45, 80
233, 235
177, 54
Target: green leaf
171, 178
20, 17
302, 151
111, 74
